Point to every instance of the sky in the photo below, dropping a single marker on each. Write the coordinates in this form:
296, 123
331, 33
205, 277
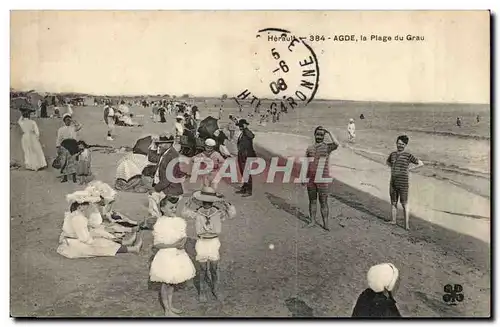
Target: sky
212, 53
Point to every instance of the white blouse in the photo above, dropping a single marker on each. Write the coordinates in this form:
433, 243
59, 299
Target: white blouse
66, 132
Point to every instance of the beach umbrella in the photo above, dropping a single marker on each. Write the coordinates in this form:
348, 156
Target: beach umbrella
131, 165
207, 128
71, 145
18, 103
142, 145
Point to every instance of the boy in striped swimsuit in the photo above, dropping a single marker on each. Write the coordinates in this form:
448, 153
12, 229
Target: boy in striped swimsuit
399, 161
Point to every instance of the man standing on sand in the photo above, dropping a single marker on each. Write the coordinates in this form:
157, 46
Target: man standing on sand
245, 151
109, 119
320, 151
399, 161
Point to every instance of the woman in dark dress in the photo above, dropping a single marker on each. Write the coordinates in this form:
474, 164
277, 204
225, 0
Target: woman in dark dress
162, 111
377, 301
43, 109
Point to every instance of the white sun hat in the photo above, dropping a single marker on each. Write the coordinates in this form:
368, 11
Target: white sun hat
382, 277
100, 189
81, 197
210, 142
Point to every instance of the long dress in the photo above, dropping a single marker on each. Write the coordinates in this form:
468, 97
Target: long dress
162, 112
84, 166
34, 158
68, 161
77, 241
171, 265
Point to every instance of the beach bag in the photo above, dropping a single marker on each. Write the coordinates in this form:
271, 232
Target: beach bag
57, 163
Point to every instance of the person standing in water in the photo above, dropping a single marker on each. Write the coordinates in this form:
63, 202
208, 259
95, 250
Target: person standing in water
351, 130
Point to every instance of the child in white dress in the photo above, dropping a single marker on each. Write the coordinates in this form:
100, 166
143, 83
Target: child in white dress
171, 264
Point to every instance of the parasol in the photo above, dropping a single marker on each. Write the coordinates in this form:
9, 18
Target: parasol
142, 145
131, 165
207, 128
71, 145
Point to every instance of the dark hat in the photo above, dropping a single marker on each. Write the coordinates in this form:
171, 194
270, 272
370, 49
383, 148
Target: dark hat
242, 122
26, 108
165, 138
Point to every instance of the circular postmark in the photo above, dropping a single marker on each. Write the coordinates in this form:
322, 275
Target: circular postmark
287, 72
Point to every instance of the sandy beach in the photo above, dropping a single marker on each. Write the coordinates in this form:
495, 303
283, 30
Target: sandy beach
309, 271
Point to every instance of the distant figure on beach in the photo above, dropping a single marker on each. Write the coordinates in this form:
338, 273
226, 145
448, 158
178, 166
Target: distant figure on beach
162, 111
39, 108
361, 116
351, 130
178, 128
109, 119
231, 127
399, 161
221, 112
320, 150
84, 165
459, 122
43, 109
478, 119
196, 116
69, 109
34, 158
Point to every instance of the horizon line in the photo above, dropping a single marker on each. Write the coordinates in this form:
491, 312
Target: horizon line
191, 96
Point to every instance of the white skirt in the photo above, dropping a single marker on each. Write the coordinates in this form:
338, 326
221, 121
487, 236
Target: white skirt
207, 249
171, 266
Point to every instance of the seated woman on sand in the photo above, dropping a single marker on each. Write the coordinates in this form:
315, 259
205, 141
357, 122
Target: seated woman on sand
123, 119
130, 174
102, 210
77, 239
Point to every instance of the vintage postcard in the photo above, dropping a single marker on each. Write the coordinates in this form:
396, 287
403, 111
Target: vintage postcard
250, 164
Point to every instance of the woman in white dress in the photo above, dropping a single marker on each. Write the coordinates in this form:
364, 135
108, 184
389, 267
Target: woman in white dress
34, 159
171, 264
80, 239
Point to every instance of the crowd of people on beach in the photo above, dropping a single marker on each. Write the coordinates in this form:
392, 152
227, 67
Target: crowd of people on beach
92, 228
